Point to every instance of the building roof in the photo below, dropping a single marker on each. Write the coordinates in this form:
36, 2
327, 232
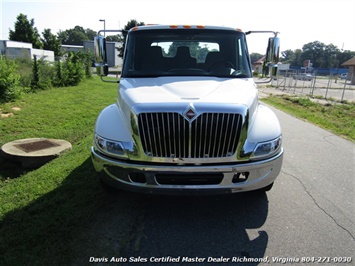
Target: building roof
260, 61
350, 62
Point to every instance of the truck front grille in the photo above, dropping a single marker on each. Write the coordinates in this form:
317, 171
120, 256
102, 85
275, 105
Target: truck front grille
170, 135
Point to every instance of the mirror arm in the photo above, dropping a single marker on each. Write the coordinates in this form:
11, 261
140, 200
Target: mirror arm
262, 31
264, 81
101, 31
109, 81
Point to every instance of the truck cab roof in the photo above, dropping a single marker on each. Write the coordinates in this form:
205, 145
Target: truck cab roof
158, 26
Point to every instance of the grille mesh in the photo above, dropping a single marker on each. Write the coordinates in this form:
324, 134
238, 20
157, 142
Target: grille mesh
170, 135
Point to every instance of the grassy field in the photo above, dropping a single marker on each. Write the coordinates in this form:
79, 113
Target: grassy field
337, 118
42, 211
45, 213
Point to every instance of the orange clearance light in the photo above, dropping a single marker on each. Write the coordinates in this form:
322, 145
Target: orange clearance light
187, 26
239, 29
200, 26
135, 28
173, 26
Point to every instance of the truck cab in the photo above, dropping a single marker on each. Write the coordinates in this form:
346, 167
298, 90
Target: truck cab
187, 117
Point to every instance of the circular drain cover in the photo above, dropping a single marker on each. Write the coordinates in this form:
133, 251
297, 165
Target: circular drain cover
35, 152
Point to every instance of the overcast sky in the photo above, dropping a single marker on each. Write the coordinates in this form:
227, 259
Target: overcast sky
298, 21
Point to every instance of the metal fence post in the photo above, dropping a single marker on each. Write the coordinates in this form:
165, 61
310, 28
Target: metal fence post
342, 96
329, 84
314, 83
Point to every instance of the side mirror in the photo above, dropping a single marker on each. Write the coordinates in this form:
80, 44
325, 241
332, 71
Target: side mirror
100, 56
273, 51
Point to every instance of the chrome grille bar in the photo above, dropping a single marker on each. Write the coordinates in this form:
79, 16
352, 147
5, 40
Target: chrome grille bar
170, 135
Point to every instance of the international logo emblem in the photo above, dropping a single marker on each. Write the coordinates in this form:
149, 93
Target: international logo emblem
190, 114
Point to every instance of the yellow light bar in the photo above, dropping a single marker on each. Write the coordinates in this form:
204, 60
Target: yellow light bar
187, 26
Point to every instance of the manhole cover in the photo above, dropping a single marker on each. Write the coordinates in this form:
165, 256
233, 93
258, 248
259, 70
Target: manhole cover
37, 145
35, 152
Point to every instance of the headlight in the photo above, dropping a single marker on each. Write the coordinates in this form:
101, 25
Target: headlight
110, 147
267, 149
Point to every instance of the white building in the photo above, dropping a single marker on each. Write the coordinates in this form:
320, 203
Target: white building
13, 49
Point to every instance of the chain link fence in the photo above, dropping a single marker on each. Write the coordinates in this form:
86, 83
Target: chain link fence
330, 87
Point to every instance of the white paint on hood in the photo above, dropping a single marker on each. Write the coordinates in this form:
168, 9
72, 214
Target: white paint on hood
187, 89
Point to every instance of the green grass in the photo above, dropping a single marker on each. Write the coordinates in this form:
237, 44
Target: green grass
337, 118
42, 211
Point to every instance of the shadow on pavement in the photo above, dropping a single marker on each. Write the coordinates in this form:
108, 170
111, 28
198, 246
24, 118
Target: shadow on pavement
79, 220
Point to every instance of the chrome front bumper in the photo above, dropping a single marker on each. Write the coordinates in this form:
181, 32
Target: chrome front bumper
147, 178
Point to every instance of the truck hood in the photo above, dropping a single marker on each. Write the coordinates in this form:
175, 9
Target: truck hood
187, 89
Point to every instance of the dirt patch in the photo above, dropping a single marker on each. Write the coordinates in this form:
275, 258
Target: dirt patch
6, 115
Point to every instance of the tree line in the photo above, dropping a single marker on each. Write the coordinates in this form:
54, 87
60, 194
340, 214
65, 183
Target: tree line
320, 54
25, 31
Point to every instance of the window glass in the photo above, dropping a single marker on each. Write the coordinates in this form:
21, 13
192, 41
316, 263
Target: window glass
198, 50
167, 52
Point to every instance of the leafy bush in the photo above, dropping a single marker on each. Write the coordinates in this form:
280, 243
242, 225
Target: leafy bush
42, 76
9, 80
58, 79
24, 69
72, 70
24, 75
46, 73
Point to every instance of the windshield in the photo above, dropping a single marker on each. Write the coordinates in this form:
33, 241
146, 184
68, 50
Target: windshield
194, 52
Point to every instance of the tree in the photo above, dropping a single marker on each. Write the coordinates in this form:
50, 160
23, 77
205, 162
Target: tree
114, 38
330, 56
255, 57
51, 42
76, 36
321, 55
314, 51
25, 32
287, 56
292, 57
90, 34
193, 47
131, 24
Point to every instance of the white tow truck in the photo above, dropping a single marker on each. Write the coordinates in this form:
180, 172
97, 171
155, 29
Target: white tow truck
187, 117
